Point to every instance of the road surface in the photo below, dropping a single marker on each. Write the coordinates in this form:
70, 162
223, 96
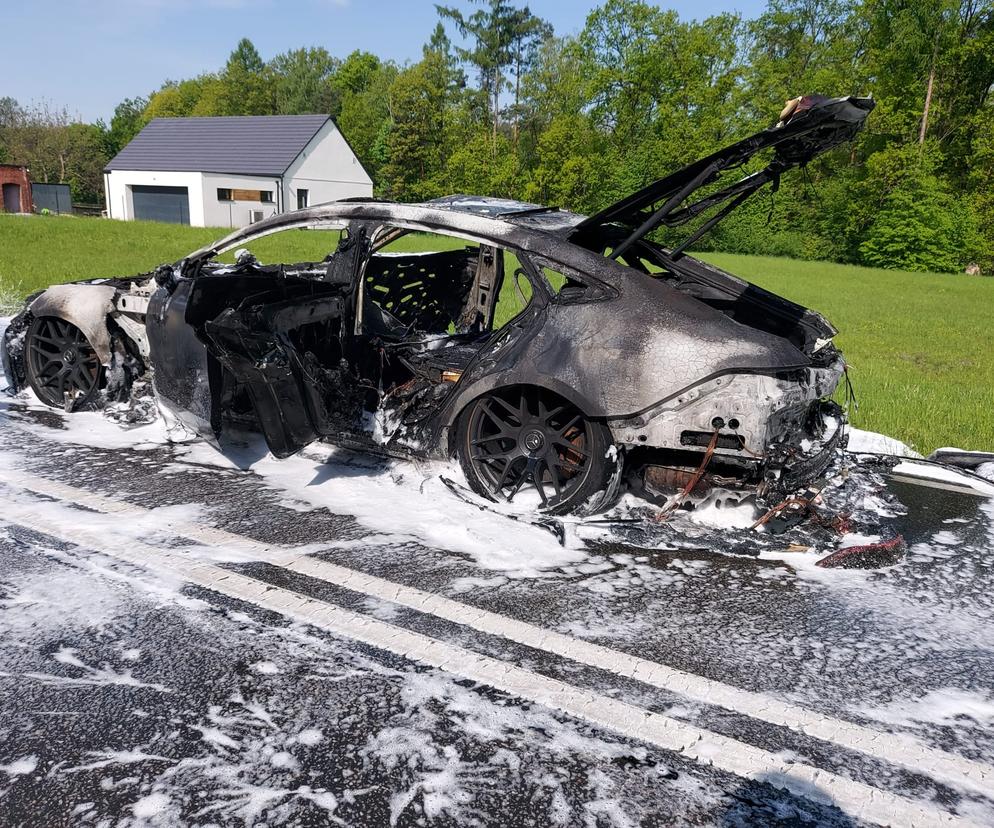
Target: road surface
194, 637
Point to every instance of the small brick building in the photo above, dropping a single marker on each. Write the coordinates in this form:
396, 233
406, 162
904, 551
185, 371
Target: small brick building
16, 189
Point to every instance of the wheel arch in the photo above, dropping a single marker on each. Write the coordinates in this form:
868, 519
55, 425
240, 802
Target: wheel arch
85, 306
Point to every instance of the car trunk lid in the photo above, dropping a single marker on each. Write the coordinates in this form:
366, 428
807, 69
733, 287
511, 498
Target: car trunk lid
809, 126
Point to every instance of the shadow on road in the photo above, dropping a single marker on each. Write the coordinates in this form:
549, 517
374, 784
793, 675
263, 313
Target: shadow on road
764, 802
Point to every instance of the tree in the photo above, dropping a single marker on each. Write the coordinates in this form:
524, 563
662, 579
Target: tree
800, 47
301, 81
179, 99
492, 30
58, 149
244, 90
528, 32
129, 119
920, 227
363, 82
476, 166
416, 138
10, 116
10, 112
572, 164
357, 73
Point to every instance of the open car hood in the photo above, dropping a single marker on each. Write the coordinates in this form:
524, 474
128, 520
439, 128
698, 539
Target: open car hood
808, 126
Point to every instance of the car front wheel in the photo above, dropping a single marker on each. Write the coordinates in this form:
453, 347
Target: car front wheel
62, 367
529, 446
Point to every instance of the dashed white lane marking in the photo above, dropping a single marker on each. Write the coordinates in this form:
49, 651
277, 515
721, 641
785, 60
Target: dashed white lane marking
707, 748
898, 749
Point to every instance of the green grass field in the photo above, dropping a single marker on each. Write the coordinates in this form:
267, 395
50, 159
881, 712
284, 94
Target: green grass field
920, 346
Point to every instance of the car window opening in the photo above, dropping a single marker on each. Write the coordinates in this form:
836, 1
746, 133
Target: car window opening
397, 320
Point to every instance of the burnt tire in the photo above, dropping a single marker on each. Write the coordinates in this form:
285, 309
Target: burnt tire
530, 446
61, 365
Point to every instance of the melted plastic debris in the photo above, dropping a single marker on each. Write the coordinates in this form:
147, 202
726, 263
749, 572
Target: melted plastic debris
870, 442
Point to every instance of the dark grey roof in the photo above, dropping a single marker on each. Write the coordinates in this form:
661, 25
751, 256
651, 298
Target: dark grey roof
245, 144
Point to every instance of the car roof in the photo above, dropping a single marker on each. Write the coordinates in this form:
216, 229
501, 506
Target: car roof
524, 213
493, 217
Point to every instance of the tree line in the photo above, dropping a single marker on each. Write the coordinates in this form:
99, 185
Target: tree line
498, 104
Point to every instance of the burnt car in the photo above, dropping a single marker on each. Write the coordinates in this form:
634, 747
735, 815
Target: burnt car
551, 353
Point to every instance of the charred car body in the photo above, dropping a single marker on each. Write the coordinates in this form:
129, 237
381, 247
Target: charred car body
629, 360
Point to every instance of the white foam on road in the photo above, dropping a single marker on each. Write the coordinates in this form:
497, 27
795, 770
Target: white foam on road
404, 502
721, 752
944, 706
898, 749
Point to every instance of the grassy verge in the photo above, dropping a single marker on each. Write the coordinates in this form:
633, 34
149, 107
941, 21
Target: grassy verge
921, 346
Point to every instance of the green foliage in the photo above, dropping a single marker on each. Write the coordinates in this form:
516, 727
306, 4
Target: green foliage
243, 85
55, 146
202, 95
498, 177
571, 164
919, 227
302, 81
416, 139
365, 111
128, 121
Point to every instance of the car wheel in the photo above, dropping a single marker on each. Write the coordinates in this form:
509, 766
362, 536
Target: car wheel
528, 446
62, 367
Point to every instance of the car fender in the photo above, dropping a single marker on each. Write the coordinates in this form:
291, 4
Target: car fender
85, 306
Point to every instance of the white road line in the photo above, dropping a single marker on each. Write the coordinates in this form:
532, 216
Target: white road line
898, 749
702, 746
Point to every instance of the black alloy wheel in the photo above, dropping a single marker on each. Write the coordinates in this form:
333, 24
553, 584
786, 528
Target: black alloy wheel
62, 367
525, 439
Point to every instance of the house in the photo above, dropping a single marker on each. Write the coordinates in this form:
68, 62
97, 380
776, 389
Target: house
232, 171
16, 188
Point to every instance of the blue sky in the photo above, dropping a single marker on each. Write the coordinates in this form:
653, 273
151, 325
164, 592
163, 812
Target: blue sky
90, 54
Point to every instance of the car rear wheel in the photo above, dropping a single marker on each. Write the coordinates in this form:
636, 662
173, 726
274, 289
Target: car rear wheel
528, 446
62, 367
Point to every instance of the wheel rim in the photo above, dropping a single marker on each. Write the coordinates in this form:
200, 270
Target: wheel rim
523, 439
61, 362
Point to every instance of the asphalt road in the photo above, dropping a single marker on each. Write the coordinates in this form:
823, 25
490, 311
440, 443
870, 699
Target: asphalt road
189, 642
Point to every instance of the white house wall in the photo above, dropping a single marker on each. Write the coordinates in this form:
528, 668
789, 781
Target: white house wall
238, 213
328, 169
119, 183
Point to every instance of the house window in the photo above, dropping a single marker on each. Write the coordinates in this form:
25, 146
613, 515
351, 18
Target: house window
228, 194
301, 199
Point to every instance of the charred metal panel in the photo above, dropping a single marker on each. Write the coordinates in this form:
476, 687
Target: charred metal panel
180, 371
298, 397
87, 306
653, 344
12, 349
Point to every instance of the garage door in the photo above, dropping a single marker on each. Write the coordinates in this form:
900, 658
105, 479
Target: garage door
170, 204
